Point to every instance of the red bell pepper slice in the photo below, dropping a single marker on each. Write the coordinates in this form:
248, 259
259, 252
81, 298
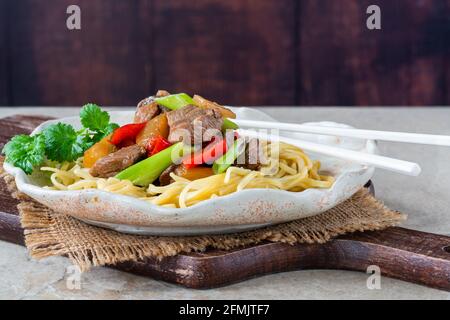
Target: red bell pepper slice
157, 144
211, 152
127, 132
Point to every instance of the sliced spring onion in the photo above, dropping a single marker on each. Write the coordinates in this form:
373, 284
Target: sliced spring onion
175, 101
146, 171
224, 162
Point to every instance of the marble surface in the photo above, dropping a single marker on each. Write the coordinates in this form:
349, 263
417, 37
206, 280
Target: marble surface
425, 199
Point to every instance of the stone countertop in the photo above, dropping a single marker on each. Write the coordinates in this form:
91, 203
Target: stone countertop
425, 199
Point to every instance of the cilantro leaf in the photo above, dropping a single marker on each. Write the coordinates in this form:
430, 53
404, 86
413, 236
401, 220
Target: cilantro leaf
94, 118
25, 152
63, 143
110, 129
106, 132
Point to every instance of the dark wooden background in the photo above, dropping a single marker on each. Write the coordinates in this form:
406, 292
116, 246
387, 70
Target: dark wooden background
242, 52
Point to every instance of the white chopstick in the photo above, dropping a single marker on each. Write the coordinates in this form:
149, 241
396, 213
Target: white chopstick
439, 140
391, 164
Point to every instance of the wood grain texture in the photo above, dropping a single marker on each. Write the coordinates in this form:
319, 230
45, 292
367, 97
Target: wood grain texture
108, 61
237, 52
342, 62
10, 229
18, 124
404, 254
447, 55
4, 53
253, 52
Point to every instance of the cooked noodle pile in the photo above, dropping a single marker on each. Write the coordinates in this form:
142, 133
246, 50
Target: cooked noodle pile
287, 168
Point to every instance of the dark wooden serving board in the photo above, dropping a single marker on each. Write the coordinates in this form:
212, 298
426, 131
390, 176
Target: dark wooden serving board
400, 253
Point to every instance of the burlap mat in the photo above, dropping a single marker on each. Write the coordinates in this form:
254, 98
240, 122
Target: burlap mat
48, 233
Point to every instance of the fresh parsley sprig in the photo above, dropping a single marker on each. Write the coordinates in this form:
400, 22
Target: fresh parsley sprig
63, 143
25, 152
94, 118
59, 142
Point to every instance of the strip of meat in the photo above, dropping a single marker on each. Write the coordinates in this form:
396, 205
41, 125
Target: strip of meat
165, 178
183, 172
253, 156
117, 161
146, 110
206, 104
190, 123
162, 93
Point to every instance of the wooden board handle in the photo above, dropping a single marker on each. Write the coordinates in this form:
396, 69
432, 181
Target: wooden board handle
408, 255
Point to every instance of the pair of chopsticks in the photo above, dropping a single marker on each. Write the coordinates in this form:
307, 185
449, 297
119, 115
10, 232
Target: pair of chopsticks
395, 165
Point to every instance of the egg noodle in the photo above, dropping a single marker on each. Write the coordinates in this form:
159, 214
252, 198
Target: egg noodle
287, 168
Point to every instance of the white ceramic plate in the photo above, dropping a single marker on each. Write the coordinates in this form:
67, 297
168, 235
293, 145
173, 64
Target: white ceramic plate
245, 210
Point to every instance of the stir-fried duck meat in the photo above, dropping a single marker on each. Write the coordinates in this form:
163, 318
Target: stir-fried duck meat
148, 108
190, 123
117, 161
162, 93
182, 171
253, 156
159, 94
165, 178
